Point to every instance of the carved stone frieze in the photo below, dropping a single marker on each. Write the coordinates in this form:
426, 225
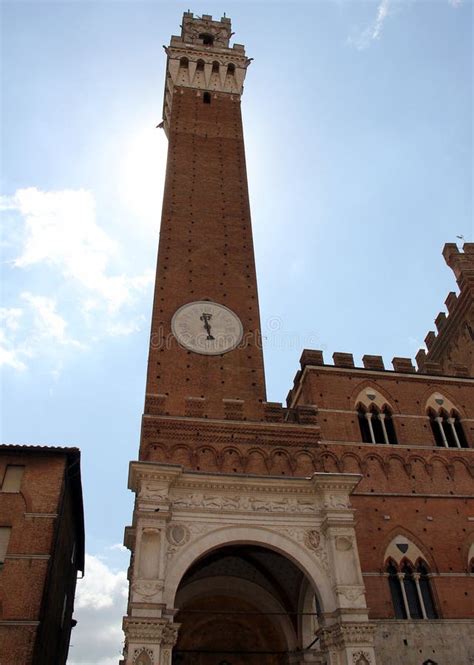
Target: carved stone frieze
147, 588
142, 651
350, 592
344, 635
150, 631
244, 503
361, 658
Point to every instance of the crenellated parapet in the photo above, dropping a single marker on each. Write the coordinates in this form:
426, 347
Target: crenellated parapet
450, 350
201, 58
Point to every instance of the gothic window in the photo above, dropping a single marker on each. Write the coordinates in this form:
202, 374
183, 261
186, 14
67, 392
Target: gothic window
207, 39
410, 590
447, 429
376, 425
200, 66
215, 67
231, 69
184, 63
396, 592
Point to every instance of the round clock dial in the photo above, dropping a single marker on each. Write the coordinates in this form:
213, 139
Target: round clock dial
207, 327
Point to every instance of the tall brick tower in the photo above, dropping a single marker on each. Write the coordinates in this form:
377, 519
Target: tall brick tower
214, 472
205, 341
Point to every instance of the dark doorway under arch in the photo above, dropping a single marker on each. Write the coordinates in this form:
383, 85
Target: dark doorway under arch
239, 605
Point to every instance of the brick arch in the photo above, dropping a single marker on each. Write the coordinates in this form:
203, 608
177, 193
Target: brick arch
418, 458
469, 467
327, 454
206, 457
367, 384
353, 456
305, 462
275, 459
256, 461
236, 456
398, 458
180, 454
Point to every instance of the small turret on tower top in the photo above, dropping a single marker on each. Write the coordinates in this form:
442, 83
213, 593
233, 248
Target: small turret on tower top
202, 58
203, 30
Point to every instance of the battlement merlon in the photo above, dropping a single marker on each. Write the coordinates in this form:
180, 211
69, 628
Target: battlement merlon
461, 262
201, 58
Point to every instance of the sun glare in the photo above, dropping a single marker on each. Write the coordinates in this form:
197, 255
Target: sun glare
142, 175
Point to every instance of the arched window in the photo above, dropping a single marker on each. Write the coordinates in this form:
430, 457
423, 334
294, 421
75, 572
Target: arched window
230, 69
396, 592
364, 424
200, 66
207, 39
389, 426
410, 590
447, 429
426, 594
215, 67
184, 63
376, 425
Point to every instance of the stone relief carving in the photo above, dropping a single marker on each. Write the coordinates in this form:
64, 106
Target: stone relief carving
361, 658
312, 539
244, 503
351, 593
177, 534
336, 501
147, 588
142, 656
153, 492
343, 543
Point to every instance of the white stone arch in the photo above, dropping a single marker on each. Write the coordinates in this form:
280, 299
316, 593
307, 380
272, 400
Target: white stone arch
401, 548
242, 589
369, 396
437, 402
251, 535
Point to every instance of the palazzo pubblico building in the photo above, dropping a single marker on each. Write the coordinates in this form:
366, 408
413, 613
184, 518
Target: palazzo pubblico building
337, 529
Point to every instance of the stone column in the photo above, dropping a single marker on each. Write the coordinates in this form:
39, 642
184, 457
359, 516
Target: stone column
346, 634
149, 641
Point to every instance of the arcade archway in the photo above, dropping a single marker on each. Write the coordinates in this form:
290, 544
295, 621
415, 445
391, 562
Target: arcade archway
244, 605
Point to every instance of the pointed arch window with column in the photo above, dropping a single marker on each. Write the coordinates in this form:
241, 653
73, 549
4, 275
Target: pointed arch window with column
446, 423
409, 583
375, 418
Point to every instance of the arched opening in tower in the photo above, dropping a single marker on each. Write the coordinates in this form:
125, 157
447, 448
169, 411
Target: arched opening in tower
244, 605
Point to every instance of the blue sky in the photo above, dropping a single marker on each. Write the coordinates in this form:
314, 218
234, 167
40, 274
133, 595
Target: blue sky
358, 128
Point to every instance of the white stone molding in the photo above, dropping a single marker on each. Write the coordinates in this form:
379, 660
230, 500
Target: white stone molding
181, 516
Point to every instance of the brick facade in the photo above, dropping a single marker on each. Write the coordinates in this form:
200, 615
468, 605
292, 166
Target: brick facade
44, 554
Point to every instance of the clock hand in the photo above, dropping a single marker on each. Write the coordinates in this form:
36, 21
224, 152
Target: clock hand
205, 318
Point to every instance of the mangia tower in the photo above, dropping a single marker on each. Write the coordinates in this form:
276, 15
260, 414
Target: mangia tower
270, 535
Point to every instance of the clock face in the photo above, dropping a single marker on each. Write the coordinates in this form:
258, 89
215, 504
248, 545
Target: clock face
206, 327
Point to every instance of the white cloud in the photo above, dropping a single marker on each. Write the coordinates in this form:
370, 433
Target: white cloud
362, 39
55, 241
100, 604
455, 3
61, 232
47, 320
